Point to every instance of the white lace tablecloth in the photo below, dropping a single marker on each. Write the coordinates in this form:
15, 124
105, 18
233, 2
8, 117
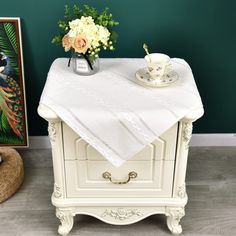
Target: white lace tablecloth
114, 114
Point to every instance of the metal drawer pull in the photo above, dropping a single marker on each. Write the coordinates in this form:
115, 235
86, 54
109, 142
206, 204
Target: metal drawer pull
131, 175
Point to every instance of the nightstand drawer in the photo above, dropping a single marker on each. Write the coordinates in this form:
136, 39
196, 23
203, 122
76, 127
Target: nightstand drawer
85, 177
163, 148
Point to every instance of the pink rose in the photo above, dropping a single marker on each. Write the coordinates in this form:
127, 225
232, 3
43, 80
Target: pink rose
80, 44
66, 43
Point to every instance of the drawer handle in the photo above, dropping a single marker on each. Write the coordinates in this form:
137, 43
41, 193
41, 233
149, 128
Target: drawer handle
131, 175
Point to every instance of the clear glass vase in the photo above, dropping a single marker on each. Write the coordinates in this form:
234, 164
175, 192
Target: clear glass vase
85, 65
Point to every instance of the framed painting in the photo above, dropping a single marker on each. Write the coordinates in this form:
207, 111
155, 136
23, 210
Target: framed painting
13, 121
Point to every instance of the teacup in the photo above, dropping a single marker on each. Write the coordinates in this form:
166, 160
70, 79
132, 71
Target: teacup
158, 64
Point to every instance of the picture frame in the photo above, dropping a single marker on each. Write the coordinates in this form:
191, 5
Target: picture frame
13, 118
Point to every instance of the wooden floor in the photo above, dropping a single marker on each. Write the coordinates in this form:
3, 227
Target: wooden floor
211, 210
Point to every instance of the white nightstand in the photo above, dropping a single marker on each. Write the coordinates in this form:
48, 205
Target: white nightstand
152, 182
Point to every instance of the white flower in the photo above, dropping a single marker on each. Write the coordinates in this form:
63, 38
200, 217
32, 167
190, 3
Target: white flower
104, 34
96, 35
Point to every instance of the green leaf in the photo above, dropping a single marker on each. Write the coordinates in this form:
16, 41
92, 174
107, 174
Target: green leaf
114, 36
11, 33
57, 39
78, 13
11, 139
8, 43
90, 11
67, 12
4, 125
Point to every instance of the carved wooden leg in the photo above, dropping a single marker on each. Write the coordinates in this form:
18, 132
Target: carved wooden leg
173, 218
67, 221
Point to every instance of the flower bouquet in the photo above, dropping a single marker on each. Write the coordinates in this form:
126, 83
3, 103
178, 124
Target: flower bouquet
85, 32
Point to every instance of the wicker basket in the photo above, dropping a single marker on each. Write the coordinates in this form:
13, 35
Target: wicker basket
11, 172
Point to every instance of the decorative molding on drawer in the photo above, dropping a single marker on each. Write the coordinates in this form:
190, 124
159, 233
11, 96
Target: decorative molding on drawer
121, 213
198, 140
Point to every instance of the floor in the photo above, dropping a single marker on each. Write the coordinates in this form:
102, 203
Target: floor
211, 210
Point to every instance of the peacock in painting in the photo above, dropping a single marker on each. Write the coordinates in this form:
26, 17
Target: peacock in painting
11, 99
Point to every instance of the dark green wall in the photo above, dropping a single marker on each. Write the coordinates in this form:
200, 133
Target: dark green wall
203, 32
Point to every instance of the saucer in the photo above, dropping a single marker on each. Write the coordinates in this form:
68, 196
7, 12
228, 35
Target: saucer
144, 78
